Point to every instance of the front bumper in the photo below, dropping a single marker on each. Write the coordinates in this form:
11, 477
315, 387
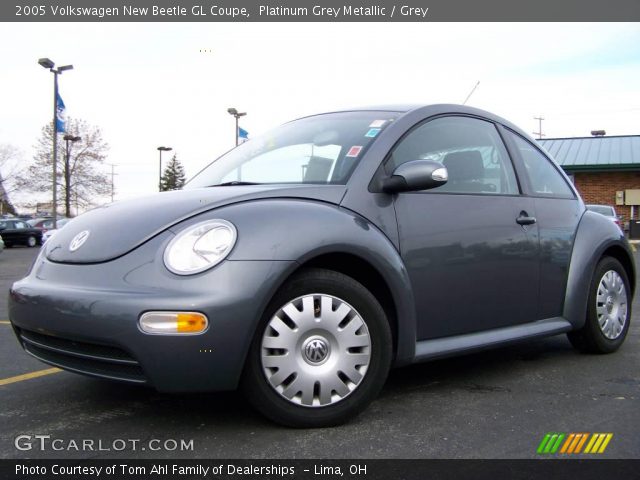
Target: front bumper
84, 318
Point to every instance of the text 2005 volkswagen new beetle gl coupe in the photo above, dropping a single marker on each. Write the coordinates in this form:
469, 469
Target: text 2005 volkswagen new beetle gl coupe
302, 265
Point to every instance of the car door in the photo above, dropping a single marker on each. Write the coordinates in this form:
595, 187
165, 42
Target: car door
558, 211
471, 245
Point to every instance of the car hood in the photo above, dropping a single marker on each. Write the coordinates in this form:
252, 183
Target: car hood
120, 227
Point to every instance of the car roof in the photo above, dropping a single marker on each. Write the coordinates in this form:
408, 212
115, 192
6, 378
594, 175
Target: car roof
429, 110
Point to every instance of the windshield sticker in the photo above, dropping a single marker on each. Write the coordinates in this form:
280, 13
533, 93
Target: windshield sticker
377, 123
372, 132
354, 151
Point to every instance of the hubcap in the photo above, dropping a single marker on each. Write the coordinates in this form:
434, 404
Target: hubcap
315, 350
611, 304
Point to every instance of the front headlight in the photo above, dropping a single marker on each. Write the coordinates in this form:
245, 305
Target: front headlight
200, 247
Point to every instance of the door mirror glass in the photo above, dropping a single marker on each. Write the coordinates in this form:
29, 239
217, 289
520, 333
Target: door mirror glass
416, 175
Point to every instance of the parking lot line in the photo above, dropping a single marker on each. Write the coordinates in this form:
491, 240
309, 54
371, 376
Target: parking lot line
5, 322
29, 376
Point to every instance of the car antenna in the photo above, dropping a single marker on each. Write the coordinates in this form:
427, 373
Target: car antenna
471, 92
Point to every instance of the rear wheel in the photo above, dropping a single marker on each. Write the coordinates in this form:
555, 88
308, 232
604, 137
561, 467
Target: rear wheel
608, 311
32, 241
321, 353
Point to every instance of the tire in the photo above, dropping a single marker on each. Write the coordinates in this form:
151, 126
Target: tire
609, 303
31, 241
321, 349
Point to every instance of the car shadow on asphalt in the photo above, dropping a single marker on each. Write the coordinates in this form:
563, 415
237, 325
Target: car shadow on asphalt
485, 372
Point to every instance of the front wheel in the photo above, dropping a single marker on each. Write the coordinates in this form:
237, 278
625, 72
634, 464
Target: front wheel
608, 311
31, 241
321, 353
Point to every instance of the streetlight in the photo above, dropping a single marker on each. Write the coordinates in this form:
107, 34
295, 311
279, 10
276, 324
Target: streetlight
237, 115
67, 173
161, 149
47, 63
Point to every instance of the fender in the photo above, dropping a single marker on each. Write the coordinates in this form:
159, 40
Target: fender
594, 235
300, 230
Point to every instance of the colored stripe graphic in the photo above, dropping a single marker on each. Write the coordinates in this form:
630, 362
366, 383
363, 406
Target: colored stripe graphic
572, 443
598, 443
550, 443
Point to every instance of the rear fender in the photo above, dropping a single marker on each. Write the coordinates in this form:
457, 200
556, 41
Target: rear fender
594, 236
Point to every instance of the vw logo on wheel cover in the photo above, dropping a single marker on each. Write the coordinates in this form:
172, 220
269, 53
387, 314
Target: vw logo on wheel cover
78, 240
316, 350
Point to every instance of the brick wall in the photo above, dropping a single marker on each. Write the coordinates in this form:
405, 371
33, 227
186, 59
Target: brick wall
601, 187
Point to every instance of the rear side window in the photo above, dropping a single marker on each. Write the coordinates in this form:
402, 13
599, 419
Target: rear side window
471, 149
544, 178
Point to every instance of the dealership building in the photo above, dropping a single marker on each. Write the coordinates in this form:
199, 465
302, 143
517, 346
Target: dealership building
604, 169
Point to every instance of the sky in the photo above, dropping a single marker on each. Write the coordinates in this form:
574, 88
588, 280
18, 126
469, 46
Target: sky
170, 84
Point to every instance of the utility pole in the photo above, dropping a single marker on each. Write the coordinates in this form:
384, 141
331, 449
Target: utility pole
113, 165
539, 132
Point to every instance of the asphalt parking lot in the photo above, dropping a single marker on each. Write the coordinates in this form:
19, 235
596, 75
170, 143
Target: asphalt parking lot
497, 404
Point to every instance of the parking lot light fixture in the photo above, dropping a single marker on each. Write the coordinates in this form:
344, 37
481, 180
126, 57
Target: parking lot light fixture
235, 113
160, 150
50, 65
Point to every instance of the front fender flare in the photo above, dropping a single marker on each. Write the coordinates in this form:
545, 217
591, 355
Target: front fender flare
300, 230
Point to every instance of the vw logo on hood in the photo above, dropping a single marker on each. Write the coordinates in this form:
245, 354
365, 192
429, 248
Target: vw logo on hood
78, 240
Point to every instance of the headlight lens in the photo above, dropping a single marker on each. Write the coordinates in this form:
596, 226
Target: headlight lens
200, 247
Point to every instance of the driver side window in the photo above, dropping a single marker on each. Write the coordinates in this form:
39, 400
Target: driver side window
471, 149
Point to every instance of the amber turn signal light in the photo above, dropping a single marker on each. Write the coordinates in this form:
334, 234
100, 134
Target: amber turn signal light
171, 323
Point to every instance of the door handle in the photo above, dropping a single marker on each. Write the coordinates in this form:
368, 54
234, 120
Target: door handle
525, 219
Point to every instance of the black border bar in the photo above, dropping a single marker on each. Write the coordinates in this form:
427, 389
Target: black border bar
319, 11
547, 469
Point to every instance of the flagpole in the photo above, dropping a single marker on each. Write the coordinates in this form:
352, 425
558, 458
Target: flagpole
54, 178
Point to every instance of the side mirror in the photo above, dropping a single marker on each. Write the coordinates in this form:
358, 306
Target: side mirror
416, 175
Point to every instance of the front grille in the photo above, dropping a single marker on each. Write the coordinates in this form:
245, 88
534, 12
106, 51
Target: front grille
89, 358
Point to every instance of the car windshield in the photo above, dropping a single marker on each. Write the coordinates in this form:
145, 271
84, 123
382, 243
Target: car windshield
323, 149
602, 210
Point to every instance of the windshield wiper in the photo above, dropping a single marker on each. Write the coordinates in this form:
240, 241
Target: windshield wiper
235, 182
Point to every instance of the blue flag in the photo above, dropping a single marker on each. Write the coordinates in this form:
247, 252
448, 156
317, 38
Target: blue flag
243, 135
61, 115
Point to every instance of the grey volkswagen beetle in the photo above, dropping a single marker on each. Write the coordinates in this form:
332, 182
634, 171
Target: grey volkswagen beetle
303, 265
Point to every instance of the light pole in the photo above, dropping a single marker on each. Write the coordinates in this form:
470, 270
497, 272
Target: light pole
47, 63
237, 115
67, 174
161, 149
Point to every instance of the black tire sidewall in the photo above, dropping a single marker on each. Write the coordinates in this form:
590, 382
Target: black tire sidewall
264, 398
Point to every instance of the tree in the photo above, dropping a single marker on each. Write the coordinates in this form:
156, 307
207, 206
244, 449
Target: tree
173, 177
9, 166
78, 174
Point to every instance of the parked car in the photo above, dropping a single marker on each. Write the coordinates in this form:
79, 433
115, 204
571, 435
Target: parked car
45, 224
303, 265
17, 232
608, 211
49, 232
